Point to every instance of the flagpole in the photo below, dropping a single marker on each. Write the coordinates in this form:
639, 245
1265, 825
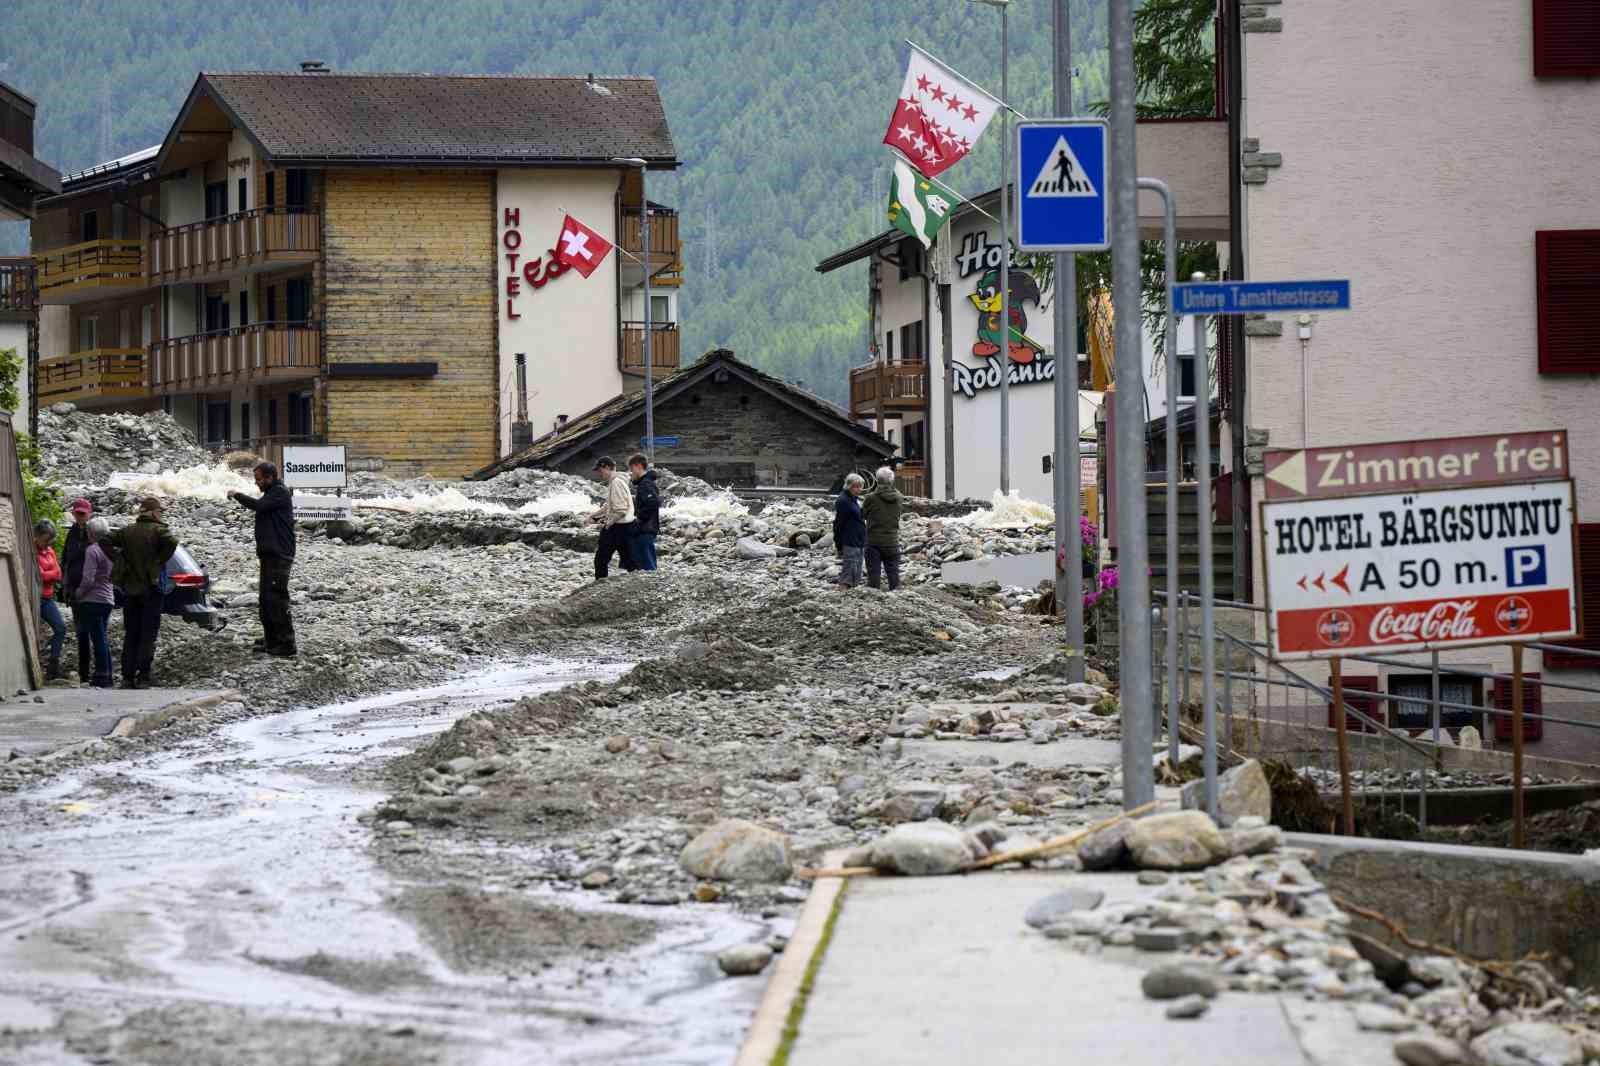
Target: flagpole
972, 81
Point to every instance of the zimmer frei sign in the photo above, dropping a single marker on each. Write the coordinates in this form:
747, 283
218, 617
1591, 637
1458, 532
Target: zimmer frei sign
1412, 545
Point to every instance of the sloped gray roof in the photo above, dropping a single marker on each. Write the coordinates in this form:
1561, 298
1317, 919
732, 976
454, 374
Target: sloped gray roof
373, 118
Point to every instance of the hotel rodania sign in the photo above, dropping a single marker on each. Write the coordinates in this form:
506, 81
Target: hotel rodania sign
1025, 357
1410, 545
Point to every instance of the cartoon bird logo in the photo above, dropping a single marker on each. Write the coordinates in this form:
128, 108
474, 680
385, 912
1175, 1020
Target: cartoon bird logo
986, 298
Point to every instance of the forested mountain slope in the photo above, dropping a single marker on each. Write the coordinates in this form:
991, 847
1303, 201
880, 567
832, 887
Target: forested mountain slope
777, 108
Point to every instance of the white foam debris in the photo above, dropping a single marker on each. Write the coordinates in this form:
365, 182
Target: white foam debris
723, 504
203, 482
1010, 512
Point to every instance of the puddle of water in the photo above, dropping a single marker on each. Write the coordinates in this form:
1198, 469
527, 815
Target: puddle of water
211, 856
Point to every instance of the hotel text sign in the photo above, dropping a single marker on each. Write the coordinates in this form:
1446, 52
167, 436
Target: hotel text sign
1352, 568
533, 271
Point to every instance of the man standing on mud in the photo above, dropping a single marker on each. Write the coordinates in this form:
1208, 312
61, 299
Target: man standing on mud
144, 546
881, 507
850, 530
646, 513
615, 517
275, 549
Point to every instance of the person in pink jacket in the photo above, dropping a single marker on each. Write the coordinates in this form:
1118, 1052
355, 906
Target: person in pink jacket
44, 537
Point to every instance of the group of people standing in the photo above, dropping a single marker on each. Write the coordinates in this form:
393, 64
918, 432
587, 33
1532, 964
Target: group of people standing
98, 564
101, 567
630, 517
866, 528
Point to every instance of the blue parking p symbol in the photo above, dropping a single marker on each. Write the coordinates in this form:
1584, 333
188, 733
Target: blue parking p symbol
1525, 566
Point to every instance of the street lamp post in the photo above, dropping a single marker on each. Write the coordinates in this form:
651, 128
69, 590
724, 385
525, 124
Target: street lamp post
1005, 247
649, 367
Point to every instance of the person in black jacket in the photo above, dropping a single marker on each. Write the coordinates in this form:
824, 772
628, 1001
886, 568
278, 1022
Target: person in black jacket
646, 513
72, 554
850, 530
275, 548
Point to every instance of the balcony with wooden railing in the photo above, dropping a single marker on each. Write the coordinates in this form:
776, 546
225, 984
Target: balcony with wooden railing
666, 248
891, 386
19, 288
100, 375
92, 270
664, 351
911, 478
265, 351
261, 239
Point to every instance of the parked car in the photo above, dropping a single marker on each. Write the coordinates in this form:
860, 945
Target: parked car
184, 591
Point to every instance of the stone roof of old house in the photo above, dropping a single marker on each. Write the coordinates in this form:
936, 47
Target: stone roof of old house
557, 447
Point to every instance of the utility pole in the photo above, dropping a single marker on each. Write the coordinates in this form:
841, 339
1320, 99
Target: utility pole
1133, 555
649, 369
1005, 246
1068, 490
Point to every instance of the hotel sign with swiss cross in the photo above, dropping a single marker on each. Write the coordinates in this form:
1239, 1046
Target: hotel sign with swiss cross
1412, 545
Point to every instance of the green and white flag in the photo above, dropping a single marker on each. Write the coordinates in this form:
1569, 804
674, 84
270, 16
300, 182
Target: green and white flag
914, 206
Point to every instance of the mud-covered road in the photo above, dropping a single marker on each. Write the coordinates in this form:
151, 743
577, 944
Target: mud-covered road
221, 903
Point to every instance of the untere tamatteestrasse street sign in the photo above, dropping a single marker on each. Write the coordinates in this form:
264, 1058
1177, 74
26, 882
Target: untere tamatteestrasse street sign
1352, 568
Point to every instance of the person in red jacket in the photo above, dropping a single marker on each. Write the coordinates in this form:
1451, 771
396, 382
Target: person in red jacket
44, 537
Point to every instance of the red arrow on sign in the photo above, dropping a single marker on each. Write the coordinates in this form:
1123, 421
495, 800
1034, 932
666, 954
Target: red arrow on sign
1339, 578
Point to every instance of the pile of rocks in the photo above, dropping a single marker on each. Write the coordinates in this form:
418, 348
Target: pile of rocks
78, 449
1049, 712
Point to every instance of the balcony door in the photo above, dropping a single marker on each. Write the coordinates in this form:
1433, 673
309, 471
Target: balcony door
217, 313
88, 333
216, 199
218, 417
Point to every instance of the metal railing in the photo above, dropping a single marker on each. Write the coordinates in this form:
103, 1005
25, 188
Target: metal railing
1269, 708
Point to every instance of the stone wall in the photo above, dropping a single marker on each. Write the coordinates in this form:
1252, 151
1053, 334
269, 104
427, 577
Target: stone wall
736, 434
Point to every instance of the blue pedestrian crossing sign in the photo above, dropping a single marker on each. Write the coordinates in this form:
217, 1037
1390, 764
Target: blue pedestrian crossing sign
1062, 203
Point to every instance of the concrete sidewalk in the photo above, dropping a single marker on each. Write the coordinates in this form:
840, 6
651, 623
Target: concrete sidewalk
68, 716
984, 988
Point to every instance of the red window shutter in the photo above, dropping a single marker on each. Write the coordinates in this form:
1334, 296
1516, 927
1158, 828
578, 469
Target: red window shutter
1588, 567
1370, 706
1566, 39
1532, 708
1569, 300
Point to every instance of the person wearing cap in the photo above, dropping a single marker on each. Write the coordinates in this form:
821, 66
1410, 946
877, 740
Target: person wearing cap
72, 556
144, 546
615, 517
93, 601
44, 538
274, 510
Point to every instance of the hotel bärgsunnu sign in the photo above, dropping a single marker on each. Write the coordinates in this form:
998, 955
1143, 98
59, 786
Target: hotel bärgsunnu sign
1411, 545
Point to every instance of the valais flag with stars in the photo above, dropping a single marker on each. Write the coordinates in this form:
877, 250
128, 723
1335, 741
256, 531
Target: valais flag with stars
938, 118
580, 247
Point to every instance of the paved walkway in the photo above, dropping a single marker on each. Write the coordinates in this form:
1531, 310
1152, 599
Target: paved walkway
987, 989
70, 715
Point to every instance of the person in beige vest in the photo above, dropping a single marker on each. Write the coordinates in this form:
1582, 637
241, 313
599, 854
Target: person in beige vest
615, 518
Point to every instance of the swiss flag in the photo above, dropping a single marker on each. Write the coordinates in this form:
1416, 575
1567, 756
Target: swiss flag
580, 247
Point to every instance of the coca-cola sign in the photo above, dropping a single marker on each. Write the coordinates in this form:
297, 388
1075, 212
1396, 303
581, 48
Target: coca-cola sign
1409, 571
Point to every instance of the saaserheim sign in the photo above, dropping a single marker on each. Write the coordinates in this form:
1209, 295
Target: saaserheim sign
979, 261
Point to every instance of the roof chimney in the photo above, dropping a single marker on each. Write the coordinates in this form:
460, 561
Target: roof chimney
313, 66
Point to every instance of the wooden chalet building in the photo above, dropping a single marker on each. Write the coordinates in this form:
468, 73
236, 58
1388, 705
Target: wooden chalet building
362, 259
23, 180
721, 420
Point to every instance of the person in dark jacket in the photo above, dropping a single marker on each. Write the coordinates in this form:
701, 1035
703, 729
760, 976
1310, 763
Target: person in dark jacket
93, 600
646, 513
274, 510
881, 508
850, 530
72, 556
144, 546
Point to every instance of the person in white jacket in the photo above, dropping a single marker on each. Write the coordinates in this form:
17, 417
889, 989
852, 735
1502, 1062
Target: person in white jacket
615, 517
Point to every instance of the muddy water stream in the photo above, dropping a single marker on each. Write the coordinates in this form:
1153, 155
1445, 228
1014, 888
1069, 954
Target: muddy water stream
219, 903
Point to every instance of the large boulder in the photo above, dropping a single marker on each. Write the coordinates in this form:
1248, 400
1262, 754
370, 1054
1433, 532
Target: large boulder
919, 849
1242, 792
736, 850
1105, 850
1528, 1044
1182, 840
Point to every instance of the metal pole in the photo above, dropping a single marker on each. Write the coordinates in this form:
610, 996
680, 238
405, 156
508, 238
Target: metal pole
1068, 486
649, 364
1005, 261
1336, 674
1518, 838
1133, 592
1170, 234
1208, 592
